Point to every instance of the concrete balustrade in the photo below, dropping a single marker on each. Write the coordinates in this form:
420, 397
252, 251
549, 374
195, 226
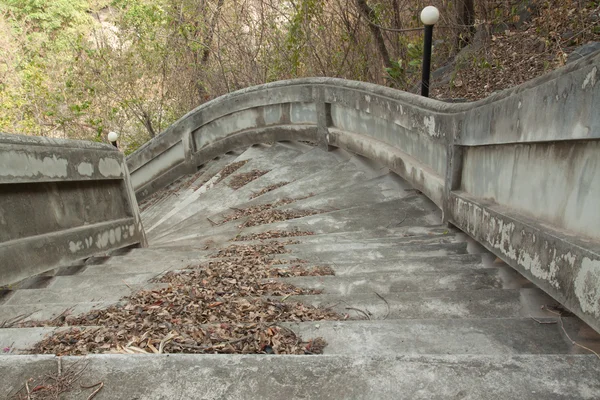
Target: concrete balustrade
518, 171
62, 201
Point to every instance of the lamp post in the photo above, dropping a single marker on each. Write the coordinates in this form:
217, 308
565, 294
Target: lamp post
429, 16
112, 137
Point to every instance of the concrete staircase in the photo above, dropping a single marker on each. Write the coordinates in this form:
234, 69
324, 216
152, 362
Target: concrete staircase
432, 314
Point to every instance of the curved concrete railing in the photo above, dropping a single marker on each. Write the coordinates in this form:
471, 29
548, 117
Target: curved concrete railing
62, 201
518, 171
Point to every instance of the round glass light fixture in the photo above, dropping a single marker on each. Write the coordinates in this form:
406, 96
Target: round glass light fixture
430, 15
113, 136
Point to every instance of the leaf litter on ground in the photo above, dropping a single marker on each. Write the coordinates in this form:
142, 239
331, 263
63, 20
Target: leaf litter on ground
273, 234
226, 305
230, 169
268, 213
268, 189
242, 179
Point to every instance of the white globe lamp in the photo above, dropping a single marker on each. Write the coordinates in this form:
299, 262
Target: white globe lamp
430, 15
113, 137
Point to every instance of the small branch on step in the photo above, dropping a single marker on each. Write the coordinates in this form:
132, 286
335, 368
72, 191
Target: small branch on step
212, 222
95, 392
544, 322
386, 303
360, 311
562, 325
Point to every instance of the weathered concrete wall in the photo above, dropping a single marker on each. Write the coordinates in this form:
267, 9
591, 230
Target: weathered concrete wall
61, 201
410, 130
525, 182
519, 171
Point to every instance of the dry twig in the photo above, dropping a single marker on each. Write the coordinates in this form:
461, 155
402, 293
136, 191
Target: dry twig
360, 311
386, 303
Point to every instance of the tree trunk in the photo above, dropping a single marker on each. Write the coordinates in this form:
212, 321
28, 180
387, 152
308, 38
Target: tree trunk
369, 14
466, 18
211, 32
147, 121
397, 25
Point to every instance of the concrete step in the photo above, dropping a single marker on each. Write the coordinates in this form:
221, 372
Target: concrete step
376, 190
86, 281
484, 303
490, 303
414, 213
409, 211
155, 267
160, 254
223, 234
407, 265
157, 210
312, 253
433, 243
342, 175
356, 251
43, 312
499, 336
394, 282
382, 188
143, 256
363, 377
269, 156
16, 341
222, 196
398, 235
76, 295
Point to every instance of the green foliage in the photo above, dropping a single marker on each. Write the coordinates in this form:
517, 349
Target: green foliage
402, 70
47, 16
298, 30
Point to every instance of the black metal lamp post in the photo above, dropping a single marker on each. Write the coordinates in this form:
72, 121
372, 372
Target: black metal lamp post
112, 137
429, 16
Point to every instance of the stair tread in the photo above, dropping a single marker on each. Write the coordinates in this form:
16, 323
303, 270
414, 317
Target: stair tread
400, 281
341, 175
441, 336
484, 303
357, 377
221, 195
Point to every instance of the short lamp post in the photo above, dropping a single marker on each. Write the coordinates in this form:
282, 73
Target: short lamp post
429, 16
112, 137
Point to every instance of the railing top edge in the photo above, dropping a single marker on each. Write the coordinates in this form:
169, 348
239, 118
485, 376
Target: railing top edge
6, 138
411, 99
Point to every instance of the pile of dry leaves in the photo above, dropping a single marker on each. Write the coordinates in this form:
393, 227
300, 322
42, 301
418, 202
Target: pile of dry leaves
268, 189
271, 235
244, 178
260, 251
245, 212
267, 213
284, 261
223, 306
230, 169
272, 216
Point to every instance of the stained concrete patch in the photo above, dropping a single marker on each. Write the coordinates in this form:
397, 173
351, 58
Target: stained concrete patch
109, 167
